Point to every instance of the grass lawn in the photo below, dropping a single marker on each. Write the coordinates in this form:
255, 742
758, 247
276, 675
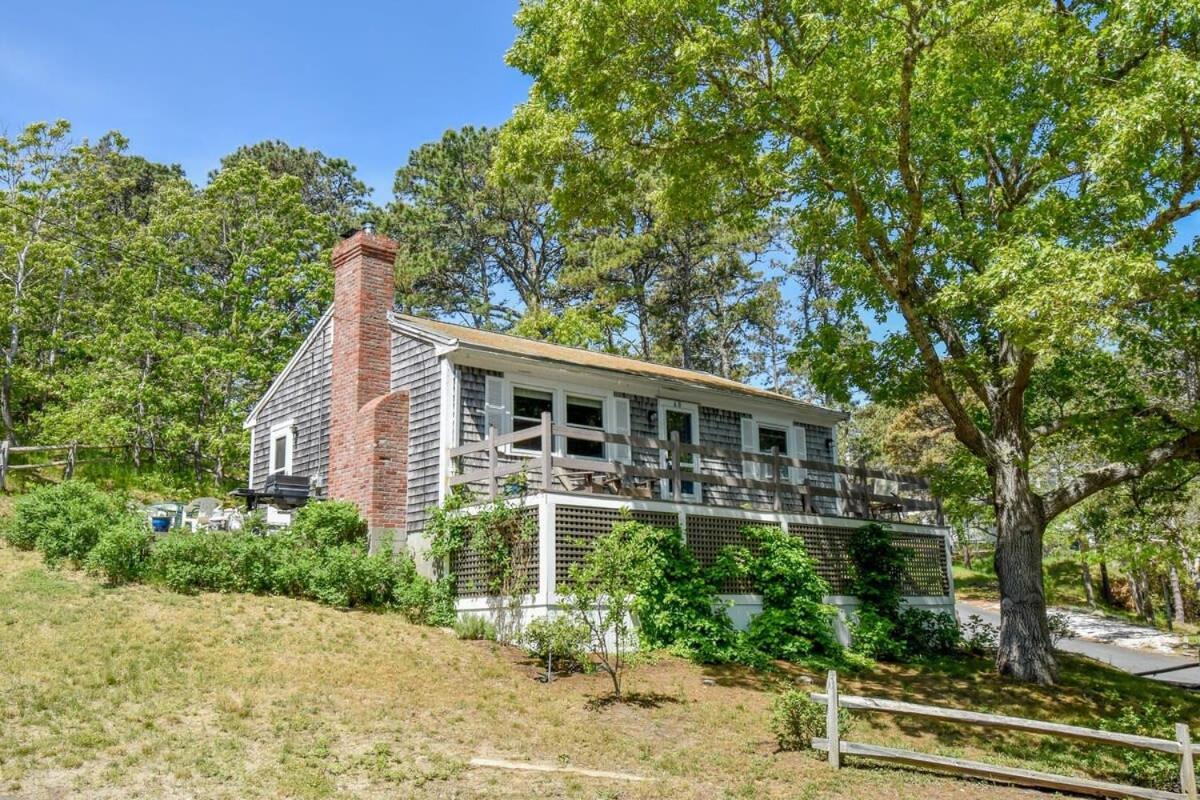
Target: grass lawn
140, 692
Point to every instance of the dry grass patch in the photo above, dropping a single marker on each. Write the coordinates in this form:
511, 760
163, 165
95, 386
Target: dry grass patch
137, 691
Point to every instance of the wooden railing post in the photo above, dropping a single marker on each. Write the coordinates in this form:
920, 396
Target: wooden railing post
676, 469
547, 450
864, 492
493, 488
832, 733
4, 465
775, 477
1187, 770
70, 469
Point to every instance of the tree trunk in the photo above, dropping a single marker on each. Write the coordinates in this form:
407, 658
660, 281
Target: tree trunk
1088, 589
1176, 595
1024, 652
1105, 585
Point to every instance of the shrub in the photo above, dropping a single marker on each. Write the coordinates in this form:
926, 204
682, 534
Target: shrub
874, 635
474, 628
122, 552
422, 601
63, 520
926, 632
796, 719
676, 604
192, 562
1141, 767
329, 523
346, 576
1060, 628
878, 568
561, 640
794, 624
979, 638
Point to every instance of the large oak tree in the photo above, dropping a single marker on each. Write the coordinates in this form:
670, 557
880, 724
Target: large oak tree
1005, 177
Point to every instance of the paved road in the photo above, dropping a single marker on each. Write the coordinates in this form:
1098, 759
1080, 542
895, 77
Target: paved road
1124, 658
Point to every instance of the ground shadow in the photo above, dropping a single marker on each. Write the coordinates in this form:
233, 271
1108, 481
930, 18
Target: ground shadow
635, 699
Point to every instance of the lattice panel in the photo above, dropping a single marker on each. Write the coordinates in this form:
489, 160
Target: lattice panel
708, 536
829, 548
926, 570
576, 527
470, 572
925, 575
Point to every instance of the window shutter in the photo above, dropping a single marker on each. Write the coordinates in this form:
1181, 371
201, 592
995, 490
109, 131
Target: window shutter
621, 453
750, 469
494, 410
800, 448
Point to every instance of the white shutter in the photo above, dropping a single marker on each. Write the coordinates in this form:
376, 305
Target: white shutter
750, 469
495, 411
621, 453
799, 446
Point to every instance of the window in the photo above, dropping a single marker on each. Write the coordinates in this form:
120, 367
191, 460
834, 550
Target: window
585, 412
769, 438
528, 407
281, 449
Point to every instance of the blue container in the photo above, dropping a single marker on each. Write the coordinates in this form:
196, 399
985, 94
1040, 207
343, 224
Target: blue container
160, 524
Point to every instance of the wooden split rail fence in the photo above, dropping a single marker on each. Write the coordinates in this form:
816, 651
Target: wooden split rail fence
68, 461
1181, 746
683, 464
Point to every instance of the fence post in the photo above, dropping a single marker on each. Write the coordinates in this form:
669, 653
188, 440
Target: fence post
676, 479
775, 476
547, 450
4, 465
832, 732
70, 470
492, 487
1187, 770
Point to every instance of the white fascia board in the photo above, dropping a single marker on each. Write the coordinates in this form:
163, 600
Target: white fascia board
252, 417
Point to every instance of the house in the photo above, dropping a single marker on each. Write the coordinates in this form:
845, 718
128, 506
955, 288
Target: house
393, 412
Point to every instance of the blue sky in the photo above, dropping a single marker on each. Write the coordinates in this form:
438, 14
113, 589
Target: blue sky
190, 82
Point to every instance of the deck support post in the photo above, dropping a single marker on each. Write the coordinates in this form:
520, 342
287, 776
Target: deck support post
493, 488
547, 450
676, 469
778, 499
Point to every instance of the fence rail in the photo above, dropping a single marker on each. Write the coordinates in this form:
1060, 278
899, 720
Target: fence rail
69, 462
854, 486
836, 748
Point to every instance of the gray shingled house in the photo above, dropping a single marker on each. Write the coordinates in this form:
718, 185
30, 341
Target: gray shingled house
393, 412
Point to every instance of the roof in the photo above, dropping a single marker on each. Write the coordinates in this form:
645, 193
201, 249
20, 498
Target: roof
505, 343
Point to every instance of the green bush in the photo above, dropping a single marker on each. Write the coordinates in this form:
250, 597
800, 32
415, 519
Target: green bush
474, 627
560, 639
878, 568
676, 605
122, 552
328, 524
1141, 767
794, 623
63, 520
797, 719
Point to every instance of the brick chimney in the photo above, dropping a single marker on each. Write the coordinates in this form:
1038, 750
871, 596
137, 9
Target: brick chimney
368, 426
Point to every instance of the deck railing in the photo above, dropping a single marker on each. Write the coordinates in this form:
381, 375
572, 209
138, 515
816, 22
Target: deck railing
857, 488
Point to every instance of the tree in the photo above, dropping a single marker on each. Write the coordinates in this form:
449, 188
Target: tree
600, 594
472, 247
328, 186
1005, 177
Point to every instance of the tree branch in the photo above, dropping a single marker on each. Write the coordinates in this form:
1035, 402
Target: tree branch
1087, 484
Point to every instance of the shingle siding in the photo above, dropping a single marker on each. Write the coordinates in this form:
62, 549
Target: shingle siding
415, 367
303, 397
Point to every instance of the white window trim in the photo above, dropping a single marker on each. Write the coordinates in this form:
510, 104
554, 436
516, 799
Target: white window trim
277, 430
558, 394
797, 448
665, 405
